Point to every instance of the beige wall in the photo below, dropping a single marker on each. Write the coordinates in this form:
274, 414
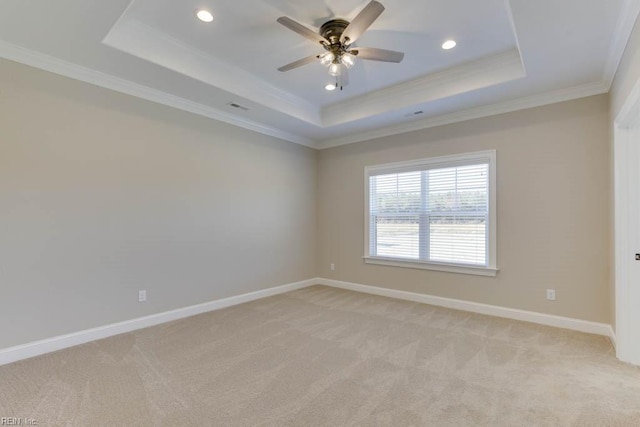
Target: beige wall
103, 194
553, 209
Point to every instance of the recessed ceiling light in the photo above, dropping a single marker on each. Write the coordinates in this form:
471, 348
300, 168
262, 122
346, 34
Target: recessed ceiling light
449, 44
204, 15
330, 86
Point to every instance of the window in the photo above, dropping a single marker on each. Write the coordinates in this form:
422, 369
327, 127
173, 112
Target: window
436, 213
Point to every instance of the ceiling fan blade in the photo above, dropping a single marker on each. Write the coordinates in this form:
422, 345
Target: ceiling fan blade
361, 22
301, 29
298, 63
374, 54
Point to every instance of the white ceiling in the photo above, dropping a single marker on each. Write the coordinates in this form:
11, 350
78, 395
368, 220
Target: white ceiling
511, 54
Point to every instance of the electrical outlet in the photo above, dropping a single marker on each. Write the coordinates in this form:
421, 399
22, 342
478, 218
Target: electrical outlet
551, 294
142, 296
333, 267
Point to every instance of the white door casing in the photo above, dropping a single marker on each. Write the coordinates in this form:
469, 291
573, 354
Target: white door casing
627, 228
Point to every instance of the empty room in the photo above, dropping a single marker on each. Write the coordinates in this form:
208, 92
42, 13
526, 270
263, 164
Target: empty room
320, 213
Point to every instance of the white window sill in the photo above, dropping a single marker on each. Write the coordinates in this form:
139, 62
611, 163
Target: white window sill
451, 268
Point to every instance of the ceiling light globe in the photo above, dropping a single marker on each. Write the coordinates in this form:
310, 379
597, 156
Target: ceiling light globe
449, 44
348, 60
204, 15
335, 69
330, 86
327, 58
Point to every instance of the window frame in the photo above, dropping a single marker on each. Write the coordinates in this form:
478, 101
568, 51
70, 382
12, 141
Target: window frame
487, 156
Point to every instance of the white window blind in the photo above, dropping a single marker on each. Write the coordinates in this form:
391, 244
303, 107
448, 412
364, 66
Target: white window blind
437, 212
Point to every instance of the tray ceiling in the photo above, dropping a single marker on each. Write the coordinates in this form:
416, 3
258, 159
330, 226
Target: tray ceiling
510, 54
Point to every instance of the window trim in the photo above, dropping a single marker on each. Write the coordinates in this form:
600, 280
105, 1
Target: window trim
489, 156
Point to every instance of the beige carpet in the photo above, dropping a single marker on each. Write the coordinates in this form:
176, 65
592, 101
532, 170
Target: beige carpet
323, 356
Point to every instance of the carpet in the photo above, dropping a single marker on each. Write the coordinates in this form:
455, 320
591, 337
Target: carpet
321, 356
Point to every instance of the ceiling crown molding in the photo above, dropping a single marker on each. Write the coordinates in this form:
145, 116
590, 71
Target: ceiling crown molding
98, 78
627, 19
485, 72
143, 41
581, 91
626, 22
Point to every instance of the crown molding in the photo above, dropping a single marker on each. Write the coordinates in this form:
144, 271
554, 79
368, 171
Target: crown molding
150, 44
488, 71
561, 95
626, 22
97, 78
627, 19
512, 23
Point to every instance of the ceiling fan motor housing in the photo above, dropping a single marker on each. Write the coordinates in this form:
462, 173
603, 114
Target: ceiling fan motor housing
337, 37
332, 30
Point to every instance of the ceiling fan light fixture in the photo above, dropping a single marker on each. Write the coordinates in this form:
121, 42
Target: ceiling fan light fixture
335, 69
449, 44
337, 36
348, 60
204, 15
327, 58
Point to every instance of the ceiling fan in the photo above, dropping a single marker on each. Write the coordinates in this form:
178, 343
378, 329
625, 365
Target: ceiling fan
336, 37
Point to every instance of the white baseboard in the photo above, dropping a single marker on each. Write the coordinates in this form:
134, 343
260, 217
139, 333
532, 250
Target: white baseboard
36, 348
612, 337
474, 307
